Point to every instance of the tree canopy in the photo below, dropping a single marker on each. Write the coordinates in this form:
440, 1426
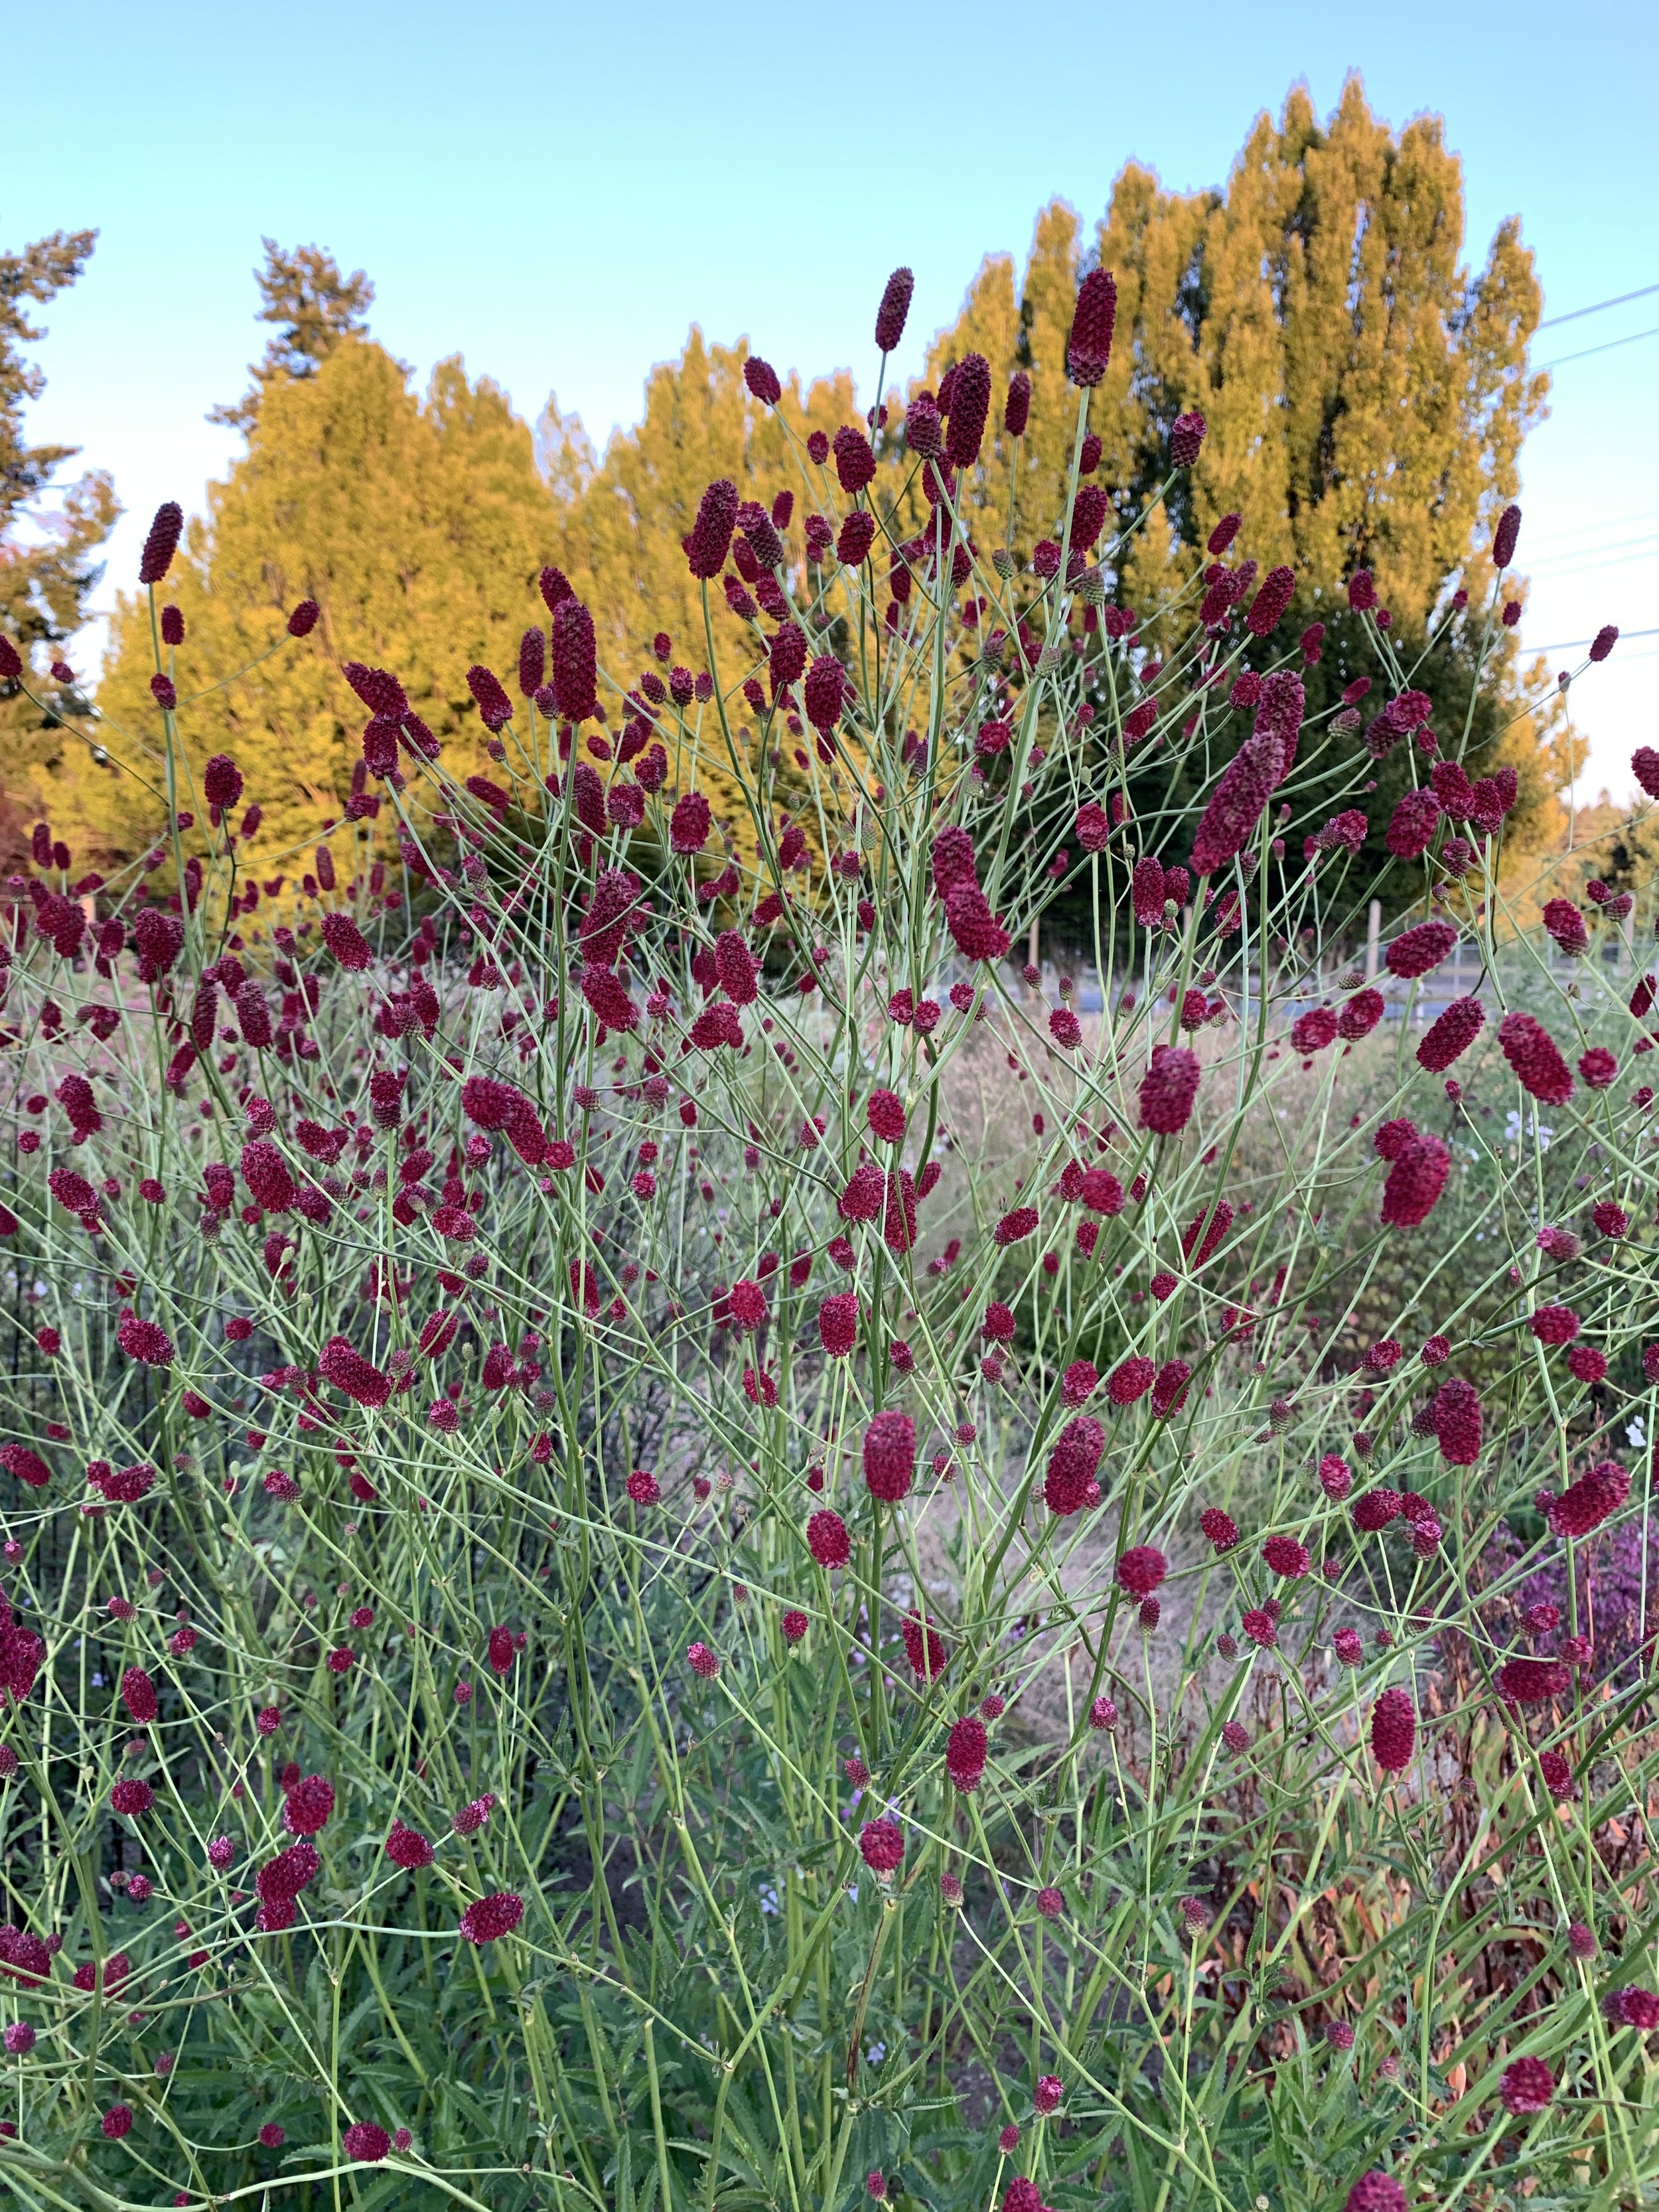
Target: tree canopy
1366, 394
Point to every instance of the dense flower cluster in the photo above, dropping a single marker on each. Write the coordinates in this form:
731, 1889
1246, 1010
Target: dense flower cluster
764, 1218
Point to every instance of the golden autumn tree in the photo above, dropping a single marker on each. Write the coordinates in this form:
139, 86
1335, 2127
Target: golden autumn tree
418, 526
1366, 396
619, 523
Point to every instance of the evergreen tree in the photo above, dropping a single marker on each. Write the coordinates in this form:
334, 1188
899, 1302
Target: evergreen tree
313, 306
47, 568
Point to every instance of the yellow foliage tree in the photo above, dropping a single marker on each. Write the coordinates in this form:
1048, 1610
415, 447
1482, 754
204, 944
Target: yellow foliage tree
418, 527
1366, 396
619, 524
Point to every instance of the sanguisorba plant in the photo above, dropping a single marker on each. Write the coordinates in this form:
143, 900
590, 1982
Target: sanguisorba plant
666, 1544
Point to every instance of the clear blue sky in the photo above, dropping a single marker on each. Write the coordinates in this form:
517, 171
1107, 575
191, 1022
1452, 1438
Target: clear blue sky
558, 194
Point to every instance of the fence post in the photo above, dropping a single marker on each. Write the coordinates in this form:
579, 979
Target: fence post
1373, 937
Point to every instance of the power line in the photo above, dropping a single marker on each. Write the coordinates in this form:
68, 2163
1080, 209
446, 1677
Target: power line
1550, 321
1562, 360
1578, 553
1592, 529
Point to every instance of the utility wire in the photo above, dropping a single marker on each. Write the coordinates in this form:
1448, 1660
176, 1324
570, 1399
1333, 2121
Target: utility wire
1561, 359
1550, 321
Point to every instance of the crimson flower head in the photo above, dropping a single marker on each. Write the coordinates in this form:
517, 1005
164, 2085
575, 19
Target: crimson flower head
885, 1112
146, 1341
1069, 1481
489, 1918
1528, 2086
138, 1695
974, 930
703, 1661
221, 781
1016, 411
1455, 1414
1505, 537
346, 942
575, 660
1234, 805
1220, 1528
308, 1806
689, 823
1586, 1504
163, 542
1375, 2193
881, 1843
826, 1538
1416, 1179
838, 1324
341, 1364
303, 620
1451, 1035
1598, 1067
1169, 1089
855, 461
1130, 1379
1089, 347
762, 381
1420, 949
1633, 2007
1376, 1508
894, 308
924, 1650
923, 432
824, 693
1080, 1382
710, 539
407, 1847
1554, 1324
889, 1456
1411, 826
1533, 1681
964, 1752
1532, 1052
970, 404
1286, 1556
1393, 1730
1141, 1569
1186, 436
495, 708
366, 2141
1273, 598
1170, 1391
